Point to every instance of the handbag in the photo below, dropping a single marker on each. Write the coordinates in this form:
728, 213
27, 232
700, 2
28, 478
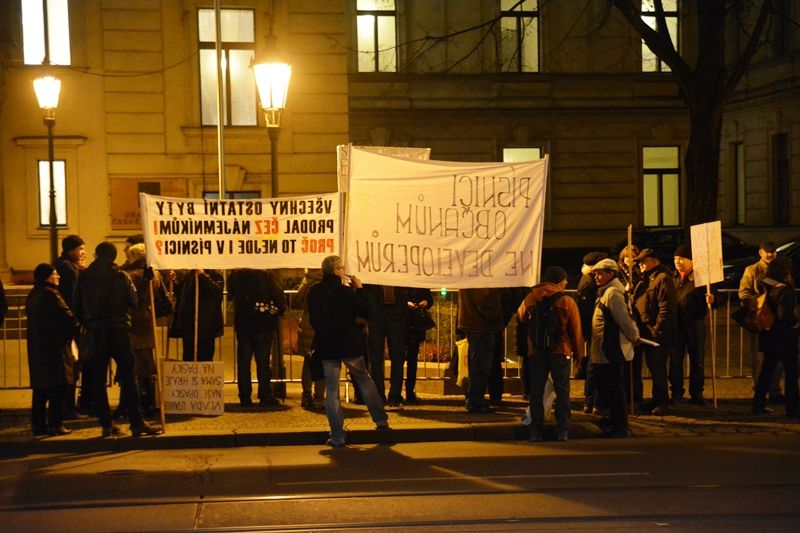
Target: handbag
162, 306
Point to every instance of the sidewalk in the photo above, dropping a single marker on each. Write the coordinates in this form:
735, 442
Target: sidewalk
435, 418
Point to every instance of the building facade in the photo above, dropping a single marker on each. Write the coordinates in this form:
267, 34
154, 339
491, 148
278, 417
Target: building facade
474, 80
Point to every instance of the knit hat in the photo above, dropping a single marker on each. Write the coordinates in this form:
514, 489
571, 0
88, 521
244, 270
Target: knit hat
592, 258
106, 249
684, 250
135, 239
555, 274
70, 242
42, 272
606, 264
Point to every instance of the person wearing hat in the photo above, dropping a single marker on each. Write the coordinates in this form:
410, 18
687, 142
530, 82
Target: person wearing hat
104, 299
68, 266
750, 287
614, 335
553, 360
692, 310
655, 308
586, 295
51, 327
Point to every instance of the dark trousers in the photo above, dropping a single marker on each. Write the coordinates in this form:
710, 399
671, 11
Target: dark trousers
539, 367
610, 385
308, 384
691, 340
114, 343
85, 400
787, 356
495, 385
46, 405
656, 358
256, 345
633, 377
480, 352
205, 348
393, 334
412, 356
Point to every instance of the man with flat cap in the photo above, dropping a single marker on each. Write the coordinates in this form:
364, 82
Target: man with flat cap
655, 308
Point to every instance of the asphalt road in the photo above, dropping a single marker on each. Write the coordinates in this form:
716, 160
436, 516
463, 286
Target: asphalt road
739, 482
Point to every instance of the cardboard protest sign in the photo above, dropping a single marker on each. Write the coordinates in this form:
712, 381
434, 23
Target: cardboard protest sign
420, 223
194, 388
188, 233
707, 253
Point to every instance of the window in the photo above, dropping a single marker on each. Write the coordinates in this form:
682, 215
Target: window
60, 182
238, 50
781, 198
650, 63
519, 35
660, 189
514, 155
34, 45
232, 195
377, 36
740, 183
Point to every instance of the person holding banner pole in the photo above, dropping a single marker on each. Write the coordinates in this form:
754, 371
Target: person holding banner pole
203, 308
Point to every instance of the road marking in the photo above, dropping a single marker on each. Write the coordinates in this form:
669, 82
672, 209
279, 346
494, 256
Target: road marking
466, 476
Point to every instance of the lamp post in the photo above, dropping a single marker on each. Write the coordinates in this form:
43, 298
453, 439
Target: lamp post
48, 89
272, 80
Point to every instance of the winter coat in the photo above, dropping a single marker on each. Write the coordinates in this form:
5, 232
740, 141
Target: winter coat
305, 331
104, 296
337, 313
782, 337
480, 310
209, 314
692, 304
390, 312
750, 285
611, 305
142, 334
571, 342
257, 300
68, 274
656, 306
50, 330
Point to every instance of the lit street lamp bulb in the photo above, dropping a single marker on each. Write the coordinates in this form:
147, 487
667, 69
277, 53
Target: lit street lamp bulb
47, 90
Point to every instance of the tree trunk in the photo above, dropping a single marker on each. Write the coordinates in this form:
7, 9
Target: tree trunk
702, 164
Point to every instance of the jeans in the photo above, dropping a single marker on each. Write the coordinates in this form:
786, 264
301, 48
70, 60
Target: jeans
393, 332
539, 367
249, 345
333, 407
480, 352
114, 343
692, 339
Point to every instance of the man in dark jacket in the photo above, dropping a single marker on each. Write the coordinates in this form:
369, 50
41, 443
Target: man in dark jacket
51, 328
586, 295
655, 311
258, 304
693, 303
337, 314
104, 298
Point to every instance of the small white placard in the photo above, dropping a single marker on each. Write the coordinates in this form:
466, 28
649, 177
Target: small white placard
194, 388
707, 253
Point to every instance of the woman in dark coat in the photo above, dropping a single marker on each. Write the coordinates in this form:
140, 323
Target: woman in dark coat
51, 328
780, 341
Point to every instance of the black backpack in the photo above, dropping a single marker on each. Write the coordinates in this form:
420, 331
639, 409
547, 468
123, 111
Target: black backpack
544, 327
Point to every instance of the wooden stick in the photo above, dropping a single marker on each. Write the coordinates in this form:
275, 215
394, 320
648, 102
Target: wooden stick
630, 304
196, 310
158, 361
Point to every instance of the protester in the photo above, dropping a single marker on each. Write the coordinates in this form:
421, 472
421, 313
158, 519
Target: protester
337, 313
313, 395
388, 313
132, 240
692, 310
630, 275
209, 314
586, 294
419, 321
780, 341
51, 328
480, 317
750, 287
554, 337
614, 334
655, 311
258, 304
104, 299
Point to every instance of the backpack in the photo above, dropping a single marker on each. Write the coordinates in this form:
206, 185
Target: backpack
544, 327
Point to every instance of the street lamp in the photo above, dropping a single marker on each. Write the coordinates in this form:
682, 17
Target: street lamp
272, 79
47, 90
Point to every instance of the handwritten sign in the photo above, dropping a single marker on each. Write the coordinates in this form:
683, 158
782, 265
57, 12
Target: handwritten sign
191, 233
194, 388
707, 253
420, 223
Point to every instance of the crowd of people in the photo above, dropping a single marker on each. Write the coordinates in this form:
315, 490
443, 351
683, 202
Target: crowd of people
625, 312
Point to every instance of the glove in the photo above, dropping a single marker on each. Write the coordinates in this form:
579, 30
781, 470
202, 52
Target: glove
149, 274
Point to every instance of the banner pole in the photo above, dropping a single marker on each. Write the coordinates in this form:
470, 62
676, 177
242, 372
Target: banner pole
713, 348
158, 360
196, 310
630, 305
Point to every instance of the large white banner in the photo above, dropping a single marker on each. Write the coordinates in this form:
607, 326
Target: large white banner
343, 157
189, 233
422, 223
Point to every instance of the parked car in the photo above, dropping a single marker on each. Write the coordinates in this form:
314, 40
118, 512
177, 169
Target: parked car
736, 253
734, 269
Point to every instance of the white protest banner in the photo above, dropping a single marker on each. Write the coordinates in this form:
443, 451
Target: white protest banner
190, 233
422, 223
707, 253
194, 388
343, 157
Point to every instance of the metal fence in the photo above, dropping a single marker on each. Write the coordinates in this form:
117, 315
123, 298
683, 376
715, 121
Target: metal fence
733, 357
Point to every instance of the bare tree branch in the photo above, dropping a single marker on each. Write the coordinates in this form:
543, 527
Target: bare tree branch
743, 62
